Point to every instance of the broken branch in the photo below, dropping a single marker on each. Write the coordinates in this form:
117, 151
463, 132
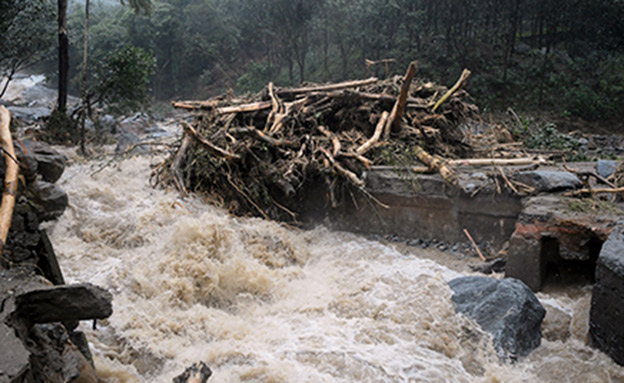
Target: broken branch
207, 144
462, 79
394, 121
376, 136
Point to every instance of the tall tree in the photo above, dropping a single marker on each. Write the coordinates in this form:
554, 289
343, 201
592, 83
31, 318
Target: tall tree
63, 56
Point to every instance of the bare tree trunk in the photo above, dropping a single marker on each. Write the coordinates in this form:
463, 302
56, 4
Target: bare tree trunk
63, 56
8, 80
83, 90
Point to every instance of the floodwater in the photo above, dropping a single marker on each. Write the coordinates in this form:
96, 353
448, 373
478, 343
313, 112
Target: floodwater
258, 302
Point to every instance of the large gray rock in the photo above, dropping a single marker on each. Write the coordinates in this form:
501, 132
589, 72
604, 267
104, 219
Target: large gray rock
549, 180
605, 168
65, 303
607, 305
506, 309
49, 163
49, 200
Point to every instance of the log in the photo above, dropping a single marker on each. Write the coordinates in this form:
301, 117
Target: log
497, 161
207, 144
394, 121
376, 136
178, 161
462, 79
434, 163
326, 88
65, 303
10, 177
252, 107
192, 105
594, 191
412, 102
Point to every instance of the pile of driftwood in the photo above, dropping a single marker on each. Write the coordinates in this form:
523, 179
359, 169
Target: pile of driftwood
254, 154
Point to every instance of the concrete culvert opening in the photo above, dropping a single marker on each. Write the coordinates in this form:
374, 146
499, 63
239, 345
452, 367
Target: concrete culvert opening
560, 271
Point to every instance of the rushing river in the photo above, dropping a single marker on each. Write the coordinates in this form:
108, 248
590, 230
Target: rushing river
258, 302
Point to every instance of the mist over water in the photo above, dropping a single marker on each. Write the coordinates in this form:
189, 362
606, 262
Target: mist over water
258, 302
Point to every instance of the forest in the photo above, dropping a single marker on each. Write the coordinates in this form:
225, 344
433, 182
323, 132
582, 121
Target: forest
562, 57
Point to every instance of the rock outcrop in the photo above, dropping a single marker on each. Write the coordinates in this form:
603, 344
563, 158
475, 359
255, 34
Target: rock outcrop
607, 306
36, 328
506, 309
551, 232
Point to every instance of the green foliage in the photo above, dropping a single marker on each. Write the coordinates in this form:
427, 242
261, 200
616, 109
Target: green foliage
60, 129
254, 79
540, 54
27, 29
548, 137
122, 80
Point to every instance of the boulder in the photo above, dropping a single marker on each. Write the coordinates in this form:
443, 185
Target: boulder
197, 373
606, 168
506, 309
65, 303
50, 164
607, 304
549, 180
49, 199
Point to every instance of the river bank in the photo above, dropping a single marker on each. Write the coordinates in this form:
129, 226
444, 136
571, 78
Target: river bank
260, 302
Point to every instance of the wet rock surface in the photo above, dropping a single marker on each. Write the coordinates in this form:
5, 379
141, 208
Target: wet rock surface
197, 373
42, 159
607, 305
549, 180
506, 309
49, 200
42, 352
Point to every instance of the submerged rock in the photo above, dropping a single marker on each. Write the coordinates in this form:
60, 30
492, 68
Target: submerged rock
607, 305
506, 309
197, 373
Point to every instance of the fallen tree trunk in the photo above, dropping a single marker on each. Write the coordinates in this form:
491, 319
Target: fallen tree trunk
10, 177
326, 88
394, 121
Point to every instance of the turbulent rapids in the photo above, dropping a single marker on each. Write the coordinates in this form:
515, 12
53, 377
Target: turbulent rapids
258, 302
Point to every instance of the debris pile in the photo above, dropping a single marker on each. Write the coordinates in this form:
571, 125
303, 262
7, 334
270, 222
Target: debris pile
254, 154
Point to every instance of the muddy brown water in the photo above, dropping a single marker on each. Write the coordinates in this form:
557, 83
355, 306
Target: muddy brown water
262, 303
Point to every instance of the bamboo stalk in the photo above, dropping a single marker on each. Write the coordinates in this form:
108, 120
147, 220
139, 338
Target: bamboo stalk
10, 178
462, 79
